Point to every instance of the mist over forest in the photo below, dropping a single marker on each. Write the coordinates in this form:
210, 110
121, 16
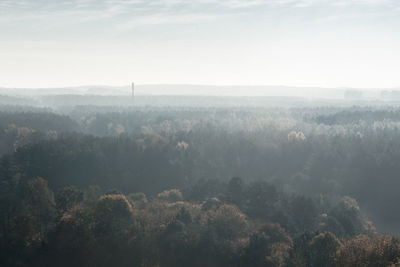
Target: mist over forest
201, 133
102, 180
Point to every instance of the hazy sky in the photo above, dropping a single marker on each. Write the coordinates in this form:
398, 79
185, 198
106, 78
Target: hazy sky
331, 43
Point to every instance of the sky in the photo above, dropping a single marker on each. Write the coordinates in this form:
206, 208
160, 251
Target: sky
326, 43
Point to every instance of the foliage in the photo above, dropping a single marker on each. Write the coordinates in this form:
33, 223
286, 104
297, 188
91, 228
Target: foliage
151, 186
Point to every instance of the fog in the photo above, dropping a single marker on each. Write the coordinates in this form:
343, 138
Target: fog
85, 161
210, 90
203, 133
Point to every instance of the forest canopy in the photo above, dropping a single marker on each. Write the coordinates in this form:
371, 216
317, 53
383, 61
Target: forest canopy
156, 185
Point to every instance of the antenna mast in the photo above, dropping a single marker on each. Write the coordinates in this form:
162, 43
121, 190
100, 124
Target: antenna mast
133, 91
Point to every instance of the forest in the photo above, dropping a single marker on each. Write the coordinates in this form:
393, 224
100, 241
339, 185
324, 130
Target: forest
97, 182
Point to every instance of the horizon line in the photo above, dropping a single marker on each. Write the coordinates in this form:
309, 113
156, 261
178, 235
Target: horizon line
199, 85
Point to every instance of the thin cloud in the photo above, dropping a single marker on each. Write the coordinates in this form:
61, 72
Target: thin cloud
162, 19
118, 7
134, 13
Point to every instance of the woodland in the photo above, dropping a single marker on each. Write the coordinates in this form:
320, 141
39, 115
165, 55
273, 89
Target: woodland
201, 185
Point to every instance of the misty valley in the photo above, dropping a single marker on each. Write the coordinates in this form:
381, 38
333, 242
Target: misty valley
198, 181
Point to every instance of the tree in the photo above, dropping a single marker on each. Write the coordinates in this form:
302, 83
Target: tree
172, 195
267, 247
67, 197
314, 250
378, 250
261, 198
323, 248
347, 213
235, 191
112, 214
39, 202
